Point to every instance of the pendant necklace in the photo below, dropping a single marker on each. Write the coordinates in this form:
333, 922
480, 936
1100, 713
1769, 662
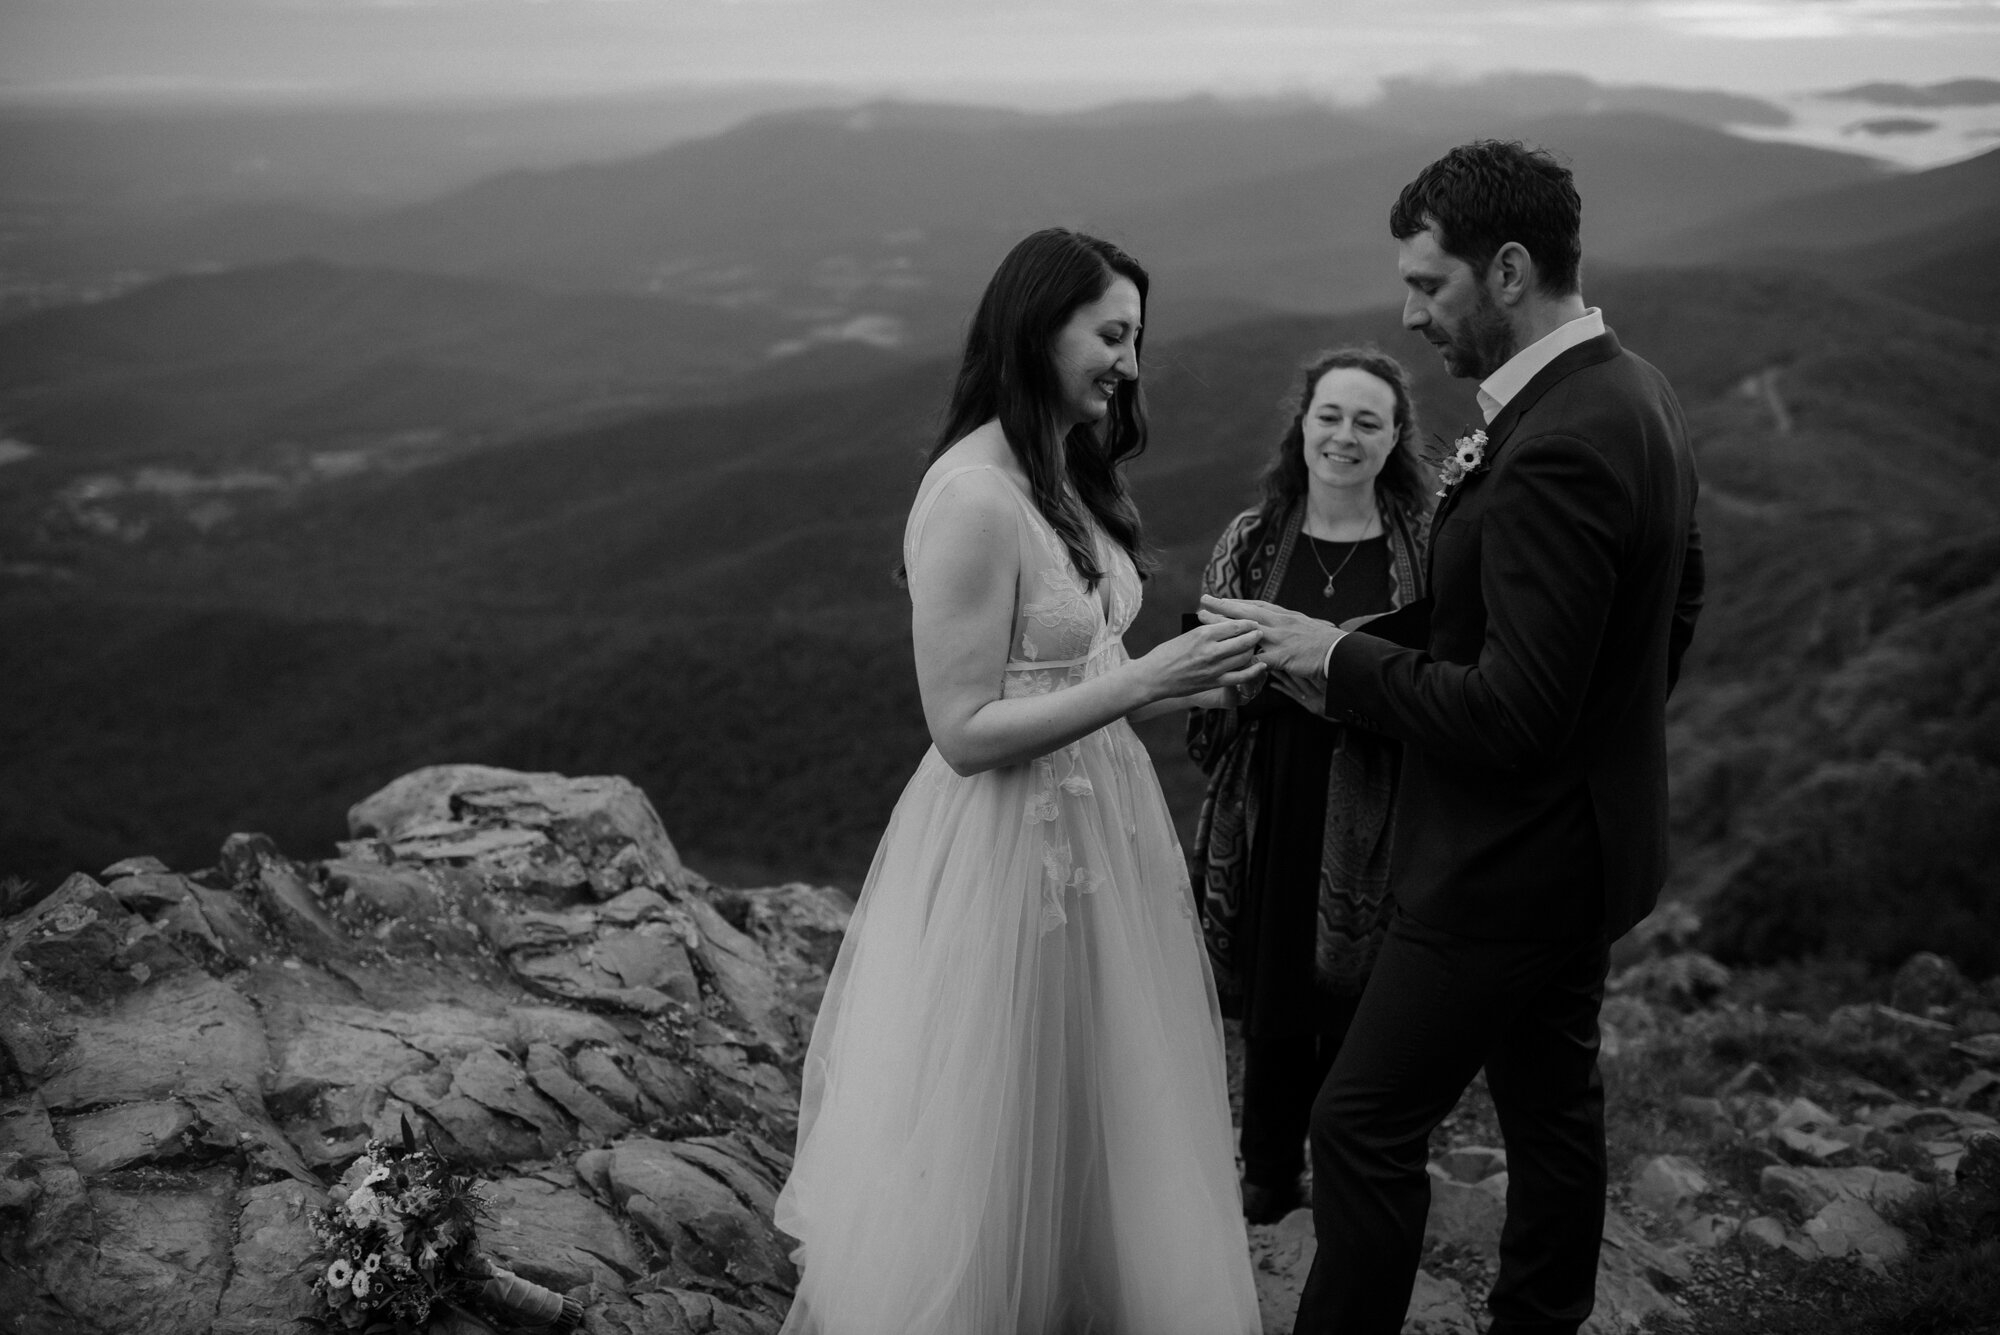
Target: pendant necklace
1333, 574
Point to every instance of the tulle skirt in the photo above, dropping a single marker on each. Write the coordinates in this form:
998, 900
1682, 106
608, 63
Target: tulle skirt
1014, 1118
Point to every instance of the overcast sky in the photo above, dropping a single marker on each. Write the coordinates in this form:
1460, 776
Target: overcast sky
1019, 50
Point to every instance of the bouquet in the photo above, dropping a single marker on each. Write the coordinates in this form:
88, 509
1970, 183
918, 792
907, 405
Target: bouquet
398, 1250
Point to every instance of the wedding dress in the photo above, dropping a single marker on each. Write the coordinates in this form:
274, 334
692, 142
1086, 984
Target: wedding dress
1014, 1119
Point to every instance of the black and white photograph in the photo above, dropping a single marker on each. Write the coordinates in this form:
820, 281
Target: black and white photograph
1038, 667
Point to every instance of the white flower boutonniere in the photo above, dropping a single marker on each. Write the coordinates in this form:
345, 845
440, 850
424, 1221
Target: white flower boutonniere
1466, 456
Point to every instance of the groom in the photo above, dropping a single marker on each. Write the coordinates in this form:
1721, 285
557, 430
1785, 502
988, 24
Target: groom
1531, 820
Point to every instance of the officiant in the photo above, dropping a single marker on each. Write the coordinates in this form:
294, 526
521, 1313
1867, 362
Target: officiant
1292, 848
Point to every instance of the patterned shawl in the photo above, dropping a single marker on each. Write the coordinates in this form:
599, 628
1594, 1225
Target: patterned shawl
1249, 562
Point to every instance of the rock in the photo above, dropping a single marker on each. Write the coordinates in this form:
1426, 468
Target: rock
18, 1197
1437, 1307
1808, 1148
1281, 1257
268, 1285
645, 970
146, 893
552, 1077
491, 1078
138, 866
1686, 981
669, 1087
600, 1073
1804, 1115
1847, 1226
742, 975
1926, 981
487, 1109
1711, 1230
1807, 1191
81, 942
215, 926
1668, 1185
403, 908
600, 833
1770, 1234
1752, 1079
556, 1236
593, 1170
1473, 1163
193, 1038
1466, 1215
1631, 1272
1981, 1089
159, 1259
702, 1226
735, 1165
1706, 1113
1983, 1048
284, 895
60, 1225
128, 1134
796, 920
339, 1066
156, 1033
1905, 1022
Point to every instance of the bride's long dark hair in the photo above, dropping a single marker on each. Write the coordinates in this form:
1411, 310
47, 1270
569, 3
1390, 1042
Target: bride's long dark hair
1008, 373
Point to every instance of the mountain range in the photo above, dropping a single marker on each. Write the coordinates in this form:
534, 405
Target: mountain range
700, 599
602, 469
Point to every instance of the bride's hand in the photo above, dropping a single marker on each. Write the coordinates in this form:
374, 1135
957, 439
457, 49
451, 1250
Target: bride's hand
1220, 653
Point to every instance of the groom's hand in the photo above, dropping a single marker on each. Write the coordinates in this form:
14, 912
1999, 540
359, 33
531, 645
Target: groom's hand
1290, 641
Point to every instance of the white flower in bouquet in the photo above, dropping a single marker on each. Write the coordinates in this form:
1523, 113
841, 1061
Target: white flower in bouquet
340, 1274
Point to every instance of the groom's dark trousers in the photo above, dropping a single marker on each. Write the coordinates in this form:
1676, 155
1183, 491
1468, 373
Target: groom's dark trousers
1531, 827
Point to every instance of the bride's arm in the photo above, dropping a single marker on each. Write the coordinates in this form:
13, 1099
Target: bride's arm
962, 584
1222, 697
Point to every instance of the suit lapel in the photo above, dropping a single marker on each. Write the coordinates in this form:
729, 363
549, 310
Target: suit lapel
1498, 432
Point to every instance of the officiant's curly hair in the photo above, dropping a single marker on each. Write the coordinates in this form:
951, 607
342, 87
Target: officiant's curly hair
1399, 486
1489, 192
1008, 372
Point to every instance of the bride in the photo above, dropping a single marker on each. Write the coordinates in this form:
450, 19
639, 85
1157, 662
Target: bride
1014, 1119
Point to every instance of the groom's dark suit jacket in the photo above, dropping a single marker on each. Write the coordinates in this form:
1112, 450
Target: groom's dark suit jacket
1565, 578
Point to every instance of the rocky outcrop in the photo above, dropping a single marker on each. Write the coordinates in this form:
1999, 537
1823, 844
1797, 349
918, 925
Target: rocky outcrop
518, 964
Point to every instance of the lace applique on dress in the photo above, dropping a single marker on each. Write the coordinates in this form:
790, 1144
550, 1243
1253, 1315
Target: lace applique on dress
1065, 634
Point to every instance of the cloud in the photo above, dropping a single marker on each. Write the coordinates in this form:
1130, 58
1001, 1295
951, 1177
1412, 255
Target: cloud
1778, 20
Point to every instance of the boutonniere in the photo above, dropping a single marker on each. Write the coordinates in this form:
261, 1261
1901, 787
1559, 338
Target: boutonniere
1467, 455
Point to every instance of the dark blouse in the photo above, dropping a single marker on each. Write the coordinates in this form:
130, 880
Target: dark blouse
1294, 749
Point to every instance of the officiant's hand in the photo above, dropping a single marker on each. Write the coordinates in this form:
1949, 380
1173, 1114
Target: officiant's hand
1290, 642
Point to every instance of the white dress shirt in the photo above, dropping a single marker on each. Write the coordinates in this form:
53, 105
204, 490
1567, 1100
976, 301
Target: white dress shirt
1496, 391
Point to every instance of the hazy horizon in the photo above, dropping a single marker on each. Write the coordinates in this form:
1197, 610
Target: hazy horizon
1027, 52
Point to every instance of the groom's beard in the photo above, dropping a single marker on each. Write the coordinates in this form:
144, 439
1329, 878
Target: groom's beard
1482, 344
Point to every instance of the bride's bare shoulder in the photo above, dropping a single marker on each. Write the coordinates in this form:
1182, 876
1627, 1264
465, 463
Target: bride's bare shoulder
983, 447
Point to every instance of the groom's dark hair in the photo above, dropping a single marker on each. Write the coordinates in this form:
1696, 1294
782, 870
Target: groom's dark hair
1484, 194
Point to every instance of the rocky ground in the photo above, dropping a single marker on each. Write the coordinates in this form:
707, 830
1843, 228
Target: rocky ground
521, 966
518, 964
1768, 1166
